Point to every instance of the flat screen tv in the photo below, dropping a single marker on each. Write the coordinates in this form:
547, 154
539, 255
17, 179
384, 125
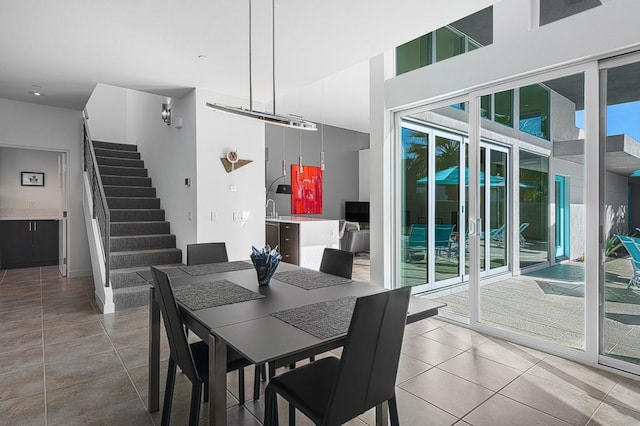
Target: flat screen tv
356, 211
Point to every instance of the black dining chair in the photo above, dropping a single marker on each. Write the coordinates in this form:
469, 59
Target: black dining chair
337, 262
193, 359
332, 391
197, 254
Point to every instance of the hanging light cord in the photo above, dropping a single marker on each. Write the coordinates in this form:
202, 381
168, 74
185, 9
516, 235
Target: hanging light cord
250, 73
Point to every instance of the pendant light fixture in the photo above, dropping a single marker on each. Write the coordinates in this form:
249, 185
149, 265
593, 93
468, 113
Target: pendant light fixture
284, 153
291, 121
300, 167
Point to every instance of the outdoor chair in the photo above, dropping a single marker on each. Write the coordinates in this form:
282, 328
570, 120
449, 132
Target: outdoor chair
332, 391
443, 238
193, 359
497, 234
337, 262
416, 243
523, 226
198, 254
632, 247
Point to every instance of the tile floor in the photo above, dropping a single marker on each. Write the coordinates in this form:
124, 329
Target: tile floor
62, 362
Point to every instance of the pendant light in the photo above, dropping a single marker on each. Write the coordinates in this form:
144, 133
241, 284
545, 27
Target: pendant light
279, 120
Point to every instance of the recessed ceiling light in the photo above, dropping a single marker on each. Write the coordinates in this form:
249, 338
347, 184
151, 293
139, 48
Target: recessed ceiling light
203, 57
36, 86
35, 93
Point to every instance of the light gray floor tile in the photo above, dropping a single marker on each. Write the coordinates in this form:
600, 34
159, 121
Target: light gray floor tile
502, 411
447, 392
626, 393
427, 350
611, 414
562, 402
509, 354
481, 371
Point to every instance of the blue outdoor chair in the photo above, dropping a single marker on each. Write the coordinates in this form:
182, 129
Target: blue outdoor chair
416, 243
631, 245
442, 238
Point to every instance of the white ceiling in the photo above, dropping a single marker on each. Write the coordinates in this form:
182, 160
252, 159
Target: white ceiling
68, 46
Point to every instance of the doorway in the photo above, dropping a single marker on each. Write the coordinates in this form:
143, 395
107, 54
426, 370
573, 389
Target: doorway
562, 217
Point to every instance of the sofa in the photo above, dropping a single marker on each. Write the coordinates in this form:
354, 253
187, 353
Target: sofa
352, 238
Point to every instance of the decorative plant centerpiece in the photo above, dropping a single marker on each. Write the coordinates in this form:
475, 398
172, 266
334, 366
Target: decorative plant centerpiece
266, 262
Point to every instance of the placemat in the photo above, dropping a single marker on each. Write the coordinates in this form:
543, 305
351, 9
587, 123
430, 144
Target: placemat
309, 279
322, 320
215, 293
216, 268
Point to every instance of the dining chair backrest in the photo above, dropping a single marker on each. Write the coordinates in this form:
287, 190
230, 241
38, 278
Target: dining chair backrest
178, 344
337, 262
369, 363
417, 236
198, 254
442, 236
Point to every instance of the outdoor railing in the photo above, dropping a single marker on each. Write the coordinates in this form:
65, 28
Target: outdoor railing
99, 199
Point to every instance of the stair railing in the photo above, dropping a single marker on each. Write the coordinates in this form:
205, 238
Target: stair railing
100, 208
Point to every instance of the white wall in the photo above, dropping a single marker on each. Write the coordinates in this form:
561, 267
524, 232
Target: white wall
216, 134
364, 182
29, 201
107, 111
24, 125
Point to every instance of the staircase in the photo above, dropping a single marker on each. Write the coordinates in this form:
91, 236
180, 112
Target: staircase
139, 233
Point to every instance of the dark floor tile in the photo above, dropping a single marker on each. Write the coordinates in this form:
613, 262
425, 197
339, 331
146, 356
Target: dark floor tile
21, 383
88, 399
20, 315
24, 411
21, 341
131, 412
20, 304
20, 359
138, 355
77, 331
123, 320
21, 326
67, 321
78, 370
70, 314
77, 349
130, 337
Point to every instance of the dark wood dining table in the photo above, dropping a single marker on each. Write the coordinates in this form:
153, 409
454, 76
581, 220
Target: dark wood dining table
250, 329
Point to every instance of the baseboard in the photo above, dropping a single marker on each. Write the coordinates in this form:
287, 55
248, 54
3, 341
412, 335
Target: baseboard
80, 273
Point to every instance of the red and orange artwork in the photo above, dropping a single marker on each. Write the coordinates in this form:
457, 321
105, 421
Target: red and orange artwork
307, 190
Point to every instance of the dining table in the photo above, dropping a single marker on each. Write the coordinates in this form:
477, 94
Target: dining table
301, 313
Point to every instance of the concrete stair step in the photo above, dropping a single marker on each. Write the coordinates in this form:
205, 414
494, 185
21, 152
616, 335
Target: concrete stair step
119, 229
133, 203
142, 242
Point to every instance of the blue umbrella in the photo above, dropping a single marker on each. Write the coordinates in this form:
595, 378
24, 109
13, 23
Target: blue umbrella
451, 176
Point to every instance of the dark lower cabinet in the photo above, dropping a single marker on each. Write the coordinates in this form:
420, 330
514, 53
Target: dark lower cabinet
25, 243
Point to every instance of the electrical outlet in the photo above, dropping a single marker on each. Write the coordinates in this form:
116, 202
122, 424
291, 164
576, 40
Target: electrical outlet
189, 215
214, 216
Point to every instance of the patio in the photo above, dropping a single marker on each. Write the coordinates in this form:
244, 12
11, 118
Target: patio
548, 304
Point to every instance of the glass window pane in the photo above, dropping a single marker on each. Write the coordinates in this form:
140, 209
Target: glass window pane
413, 55
534, 190
503, 104
553, 10
472, 45
534, 111
485, 106
449, 43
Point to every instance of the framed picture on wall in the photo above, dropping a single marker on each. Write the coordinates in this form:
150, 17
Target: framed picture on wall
32, 179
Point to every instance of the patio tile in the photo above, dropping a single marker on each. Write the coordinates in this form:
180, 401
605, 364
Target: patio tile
500, 410
480, 371
560, 401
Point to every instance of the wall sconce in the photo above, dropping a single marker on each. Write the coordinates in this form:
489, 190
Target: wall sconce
166, 114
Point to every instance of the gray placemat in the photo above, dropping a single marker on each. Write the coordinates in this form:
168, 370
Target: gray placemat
309, 279
216, 268
322, 320
215, 293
